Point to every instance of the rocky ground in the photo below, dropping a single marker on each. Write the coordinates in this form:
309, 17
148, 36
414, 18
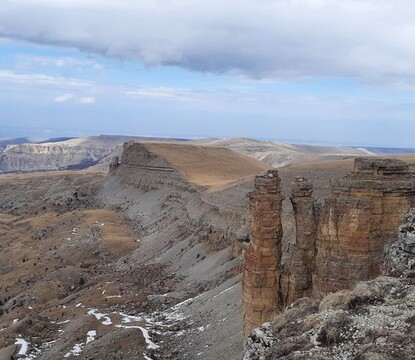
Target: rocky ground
92, 268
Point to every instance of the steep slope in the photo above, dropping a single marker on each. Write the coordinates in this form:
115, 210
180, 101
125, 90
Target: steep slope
193, 216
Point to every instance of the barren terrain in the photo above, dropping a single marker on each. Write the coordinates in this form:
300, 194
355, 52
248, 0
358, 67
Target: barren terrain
135, 264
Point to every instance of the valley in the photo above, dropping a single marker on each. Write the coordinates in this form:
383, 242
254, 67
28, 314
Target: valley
143, 262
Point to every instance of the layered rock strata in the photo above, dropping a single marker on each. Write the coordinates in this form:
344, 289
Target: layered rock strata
298, 283
375, 320
358, 220
262, 256
339, 240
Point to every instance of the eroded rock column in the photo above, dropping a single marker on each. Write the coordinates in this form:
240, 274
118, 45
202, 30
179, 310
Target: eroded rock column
303, 251
263, 255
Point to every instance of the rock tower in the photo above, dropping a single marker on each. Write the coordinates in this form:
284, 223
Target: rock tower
262, 256
339, 240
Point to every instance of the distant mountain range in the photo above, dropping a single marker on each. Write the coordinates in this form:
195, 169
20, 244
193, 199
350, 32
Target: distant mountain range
26, 155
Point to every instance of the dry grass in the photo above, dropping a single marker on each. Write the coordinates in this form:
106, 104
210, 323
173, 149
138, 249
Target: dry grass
210, 167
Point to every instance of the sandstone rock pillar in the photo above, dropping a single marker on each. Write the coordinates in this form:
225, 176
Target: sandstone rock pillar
302, 260
263, 255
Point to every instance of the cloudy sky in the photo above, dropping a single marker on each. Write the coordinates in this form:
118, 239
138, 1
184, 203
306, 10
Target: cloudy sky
312, 71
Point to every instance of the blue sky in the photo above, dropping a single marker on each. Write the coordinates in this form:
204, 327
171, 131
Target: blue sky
312, 71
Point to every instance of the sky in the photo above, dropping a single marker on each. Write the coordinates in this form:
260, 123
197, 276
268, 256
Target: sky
338, 72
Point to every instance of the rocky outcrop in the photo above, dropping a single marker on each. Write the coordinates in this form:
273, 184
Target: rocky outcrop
339, 240
360, 218
262, 256
298, 283
374, 320
400, 256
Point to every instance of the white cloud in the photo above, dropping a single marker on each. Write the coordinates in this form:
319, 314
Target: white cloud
26, 62
87, 100
11, 81
64, 98
8, 76
369, 39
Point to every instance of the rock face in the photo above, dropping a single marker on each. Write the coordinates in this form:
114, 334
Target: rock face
262, 256
360, 218
302, 266
340, 239
400, 256
375, 320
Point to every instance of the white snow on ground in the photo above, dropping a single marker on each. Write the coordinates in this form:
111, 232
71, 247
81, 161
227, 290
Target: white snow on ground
24, 346
146, 357
150, 344
130, 318
15, 321
172, 314
78, 305
91, 335
76, 351
224, 291
99, 316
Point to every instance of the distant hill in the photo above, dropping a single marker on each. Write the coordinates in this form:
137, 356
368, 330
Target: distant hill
5, 143
278, 154
391, 151
57, 139
69, 154
26, 155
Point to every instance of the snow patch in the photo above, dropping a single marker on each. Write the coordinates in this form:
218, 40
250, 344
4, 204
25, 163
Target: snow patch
90, 336
76, 351
224, 291
99, 316
150, 344
24, 346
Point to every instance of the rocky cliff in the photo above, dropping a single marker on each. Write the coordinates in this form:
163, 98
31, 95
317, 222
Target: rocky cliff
340, 239
68, 154
374, 320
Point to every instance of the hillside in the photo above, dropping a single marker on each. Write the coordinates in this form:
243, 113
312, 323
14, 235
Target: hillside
279, 154
141, 263
207, 166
